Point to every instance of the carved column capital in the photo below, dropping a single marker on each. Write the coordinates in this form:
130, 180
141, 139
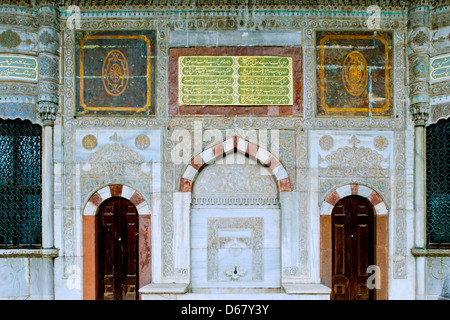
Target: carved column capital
47, 111
420, 112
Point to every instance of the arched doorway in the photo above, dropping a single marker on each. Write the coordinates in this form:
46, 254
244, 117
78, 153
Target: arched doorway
381, 235
91, 211
353, 245
117, 247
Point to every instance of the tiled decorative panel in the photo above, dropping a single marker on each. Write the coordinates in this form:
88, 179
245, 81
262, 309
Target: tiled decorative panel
251, 81
235, 80
115, 73
354, 73
18, 67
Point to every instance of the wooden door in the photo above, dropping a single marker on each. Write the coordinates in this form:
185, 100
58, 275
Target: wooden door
353, 248
117, 250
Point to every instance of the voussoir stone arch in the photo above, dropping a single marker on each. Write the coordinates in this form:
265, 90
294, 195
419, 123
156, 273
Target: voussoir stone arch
116, 190
235, 144
353, 189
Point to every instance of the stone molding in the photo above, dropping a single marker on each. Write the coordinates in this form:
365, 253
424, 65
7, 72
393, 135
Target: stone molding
247, 202
29, 253
421, 252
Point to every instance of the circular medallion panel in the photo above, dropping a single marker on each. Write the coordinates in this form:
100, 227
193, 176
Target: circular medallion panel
355, 73
115, 73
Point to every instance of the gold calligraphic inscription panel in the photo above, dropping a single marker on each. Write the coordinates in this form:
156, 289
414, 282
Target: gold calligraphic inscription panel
354, 73
440, 68
236, 80
17, 67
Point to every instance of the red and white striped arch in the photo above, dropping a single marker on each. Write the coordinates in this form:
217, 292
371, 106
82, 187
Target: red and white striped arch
353, 189
235, 144
116, 190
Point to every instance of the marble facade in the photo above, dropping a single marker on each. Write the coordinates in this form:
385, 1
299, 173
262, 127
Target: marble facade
235, 202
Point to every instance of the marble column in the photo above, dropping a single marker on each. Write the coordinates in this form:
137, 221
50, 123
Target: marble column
419, 83
47, 105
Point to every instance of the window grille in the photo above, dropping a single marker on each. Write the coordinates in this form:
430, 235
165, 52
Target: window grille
438, 184
20, 184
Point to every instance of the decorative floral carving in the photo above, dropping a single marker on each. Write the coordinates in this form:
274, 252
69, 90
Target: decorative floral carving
381, 143
239, 201
142, 142
354, 161
225, 180
420, 38
326, 143
420, 69
48, 66
439, 268
47, 38
115, 160
9, 39
217, 242
89, 142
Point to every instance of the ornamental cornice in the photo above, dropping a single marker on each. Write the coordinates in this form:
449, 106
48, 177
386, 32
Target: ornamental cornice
222, 4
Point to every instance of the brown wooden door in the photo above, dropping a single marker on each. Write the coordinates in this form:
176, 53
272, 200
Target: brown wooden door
353, 248
117, 250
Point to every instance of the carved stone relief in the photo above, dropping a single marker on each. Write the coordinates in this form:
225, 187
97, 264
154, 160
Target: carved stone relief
235, 248
349, 158
111, 155
239, 181
354, 161
296, 159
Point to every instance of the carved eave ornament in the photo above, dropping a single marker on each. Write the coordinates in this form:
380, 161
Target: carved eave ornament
208, 3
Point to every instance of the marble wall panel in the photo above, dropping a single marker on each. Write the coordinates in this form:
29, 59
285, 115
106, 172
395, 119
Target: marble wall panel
354, 73
235, 248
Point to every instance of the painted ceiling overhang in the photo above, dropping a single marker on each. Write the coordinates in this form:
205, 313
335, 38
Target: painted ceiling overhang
208, 3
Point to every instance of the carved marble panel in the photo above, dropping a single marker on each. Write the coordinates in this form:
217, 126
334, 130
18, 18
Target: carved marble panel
14, 281
349, 157
118, 155
235, 177
237, 248
437, 270
440, 39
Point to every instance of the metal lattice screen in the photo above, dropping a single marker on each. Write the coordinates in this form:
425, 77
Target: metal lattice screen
438, 184
20, 184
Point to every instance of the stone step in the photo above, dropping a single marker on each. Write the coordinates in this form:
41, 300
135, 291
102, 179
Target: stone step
172, 291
